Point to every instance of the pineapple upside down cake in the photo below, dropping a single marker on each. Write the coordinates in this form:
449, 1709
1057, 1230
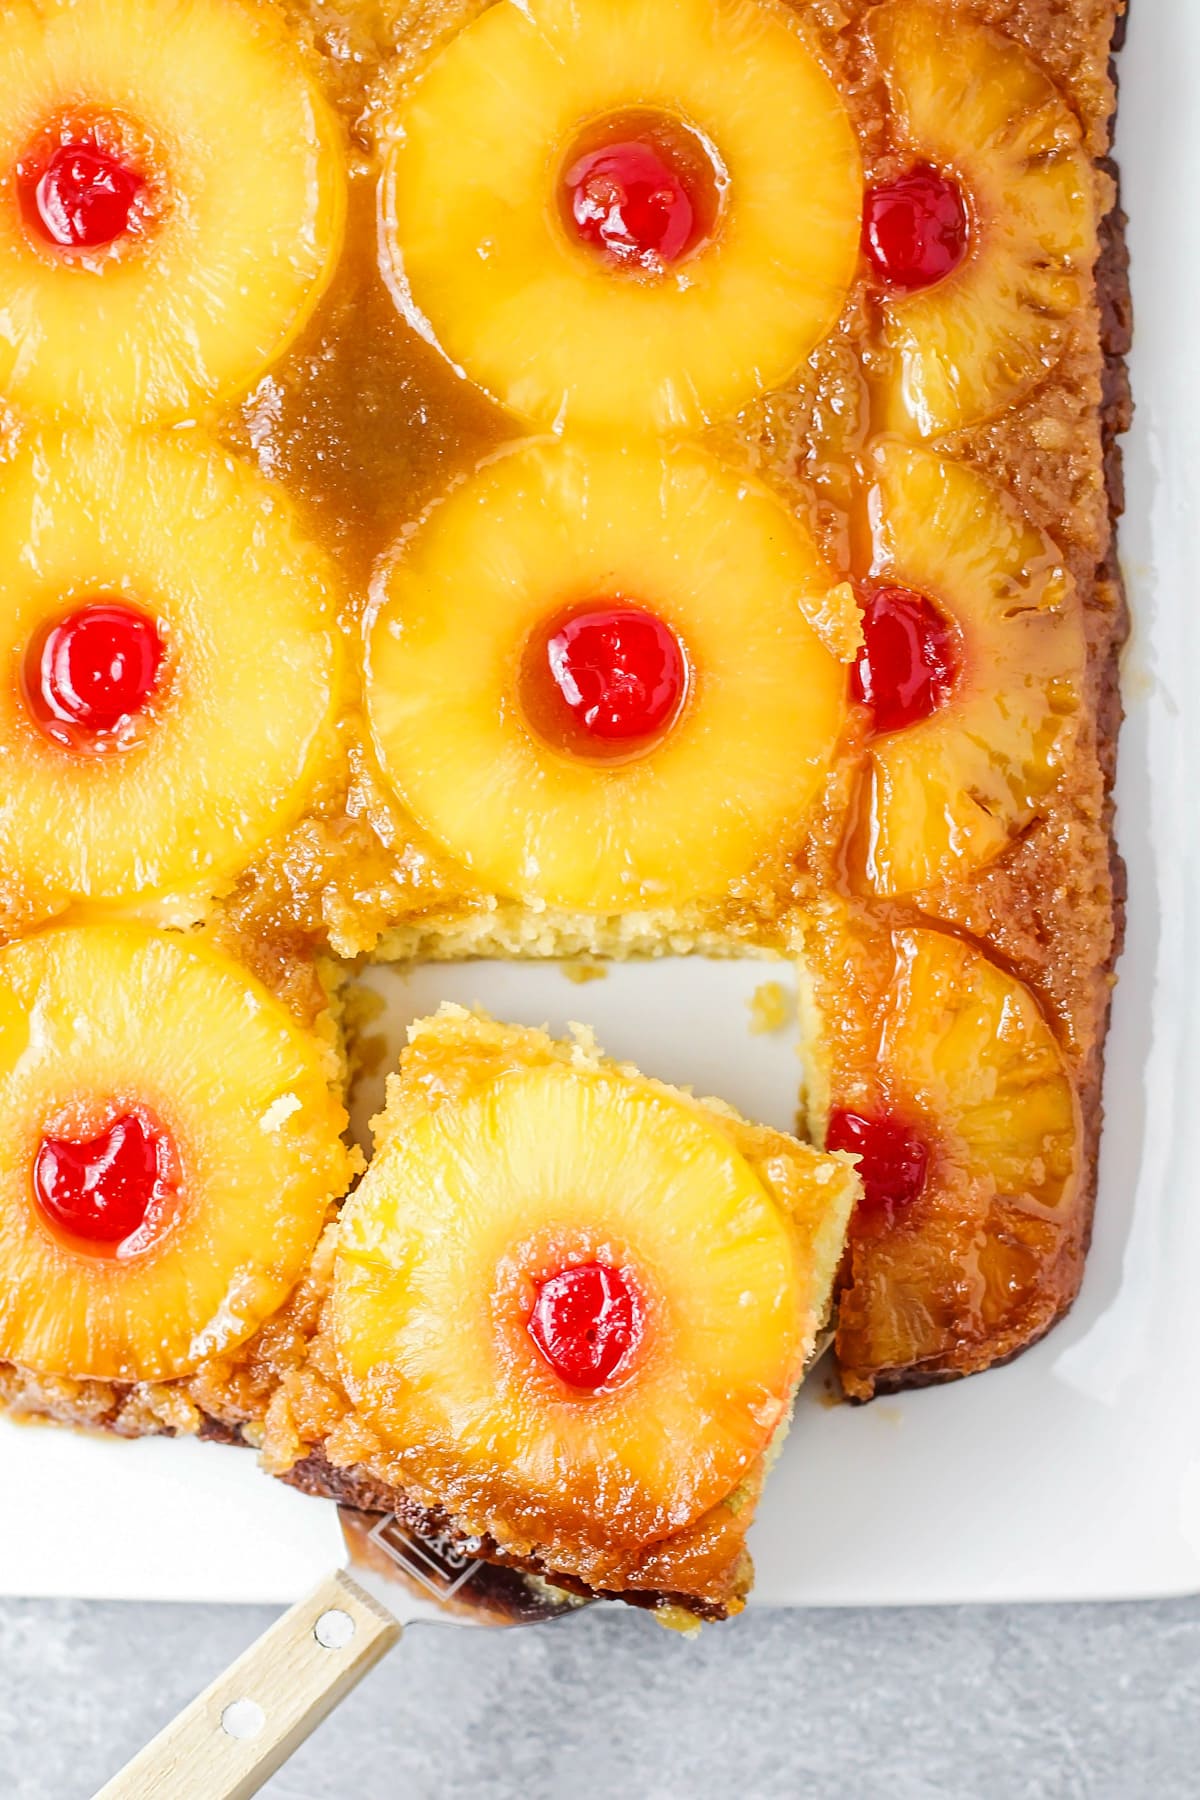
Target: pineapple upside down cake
577, 477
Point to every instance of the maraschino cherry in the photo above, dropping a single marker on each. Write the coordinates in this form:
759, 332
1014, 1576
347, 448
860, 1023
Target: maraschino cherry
640, 191
893, 1158
92, 673
80, 197
916, 230
586, 1322
909, 660
102, 1191
604, 681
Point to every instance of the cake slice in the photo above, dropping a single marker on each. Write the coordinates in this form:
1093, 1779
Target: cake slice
568, 1310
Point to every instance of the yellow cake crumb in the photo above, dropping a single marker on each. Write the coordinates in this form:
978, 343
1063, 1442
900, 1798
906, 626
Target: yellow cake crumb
772, 1008
582, 972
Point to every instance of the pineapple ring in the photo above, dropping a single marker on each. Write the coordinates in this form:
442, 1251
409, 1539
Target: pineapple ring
480, 258
216, 555
249, 160
949, 793
467, 1207
963, 1049
99, 1014
968, 1043
972, 345
712, 554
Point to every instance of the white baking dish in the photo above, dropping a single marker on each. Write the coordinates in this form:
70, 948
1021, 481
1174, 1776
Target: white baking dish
1074, 1473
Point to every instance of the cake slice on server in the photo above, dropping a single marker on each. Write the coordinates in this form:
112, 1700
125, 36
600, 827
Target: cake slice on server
561, 1320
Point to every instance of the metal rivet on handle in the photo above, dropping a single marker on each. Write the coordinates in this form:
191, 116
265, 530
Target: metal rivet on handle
334, 1629
243, 1719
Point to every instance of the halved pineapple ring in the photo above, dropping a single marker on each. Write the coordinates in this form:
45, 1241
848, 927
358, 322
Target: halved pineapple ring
101, 1021
947, 794
242, 721
973, 344
208, 106
544, 527
964, 1272
482, 258
502, 1164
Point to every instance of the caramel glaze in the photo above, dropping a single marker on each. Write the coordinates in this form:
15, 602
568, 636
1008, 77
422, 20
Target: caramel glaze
366, 423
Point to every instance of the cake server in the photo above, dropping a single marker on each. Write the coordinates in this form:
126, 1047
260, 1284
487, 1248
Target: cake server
246, 1723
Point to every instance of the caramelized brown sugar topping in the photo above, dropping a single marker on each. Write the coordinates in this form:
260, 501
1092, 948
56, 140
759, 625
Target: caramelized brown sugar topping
367, 423
945, 365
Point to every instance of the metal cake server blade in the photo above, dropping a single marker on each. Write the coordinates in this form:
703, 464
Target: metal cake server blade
437, 1580
246, 1723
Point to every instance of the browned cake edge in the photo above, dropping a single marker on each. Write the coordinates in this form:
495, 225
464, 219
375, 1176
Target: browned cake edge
356, 1487
1114, 302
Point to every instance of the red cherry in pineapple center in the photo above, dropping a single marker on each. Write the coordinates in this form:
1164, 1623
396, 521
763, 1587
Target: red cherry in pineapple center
604, 681
909, 660
92, 672
81, 197
916, 229
105, 1190
586, 1322
893, 1158
640, 190
627, 201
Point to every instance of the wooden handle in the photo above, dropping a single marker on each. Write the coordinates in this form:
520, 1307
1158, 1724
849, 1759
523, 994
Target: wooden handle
242, 1728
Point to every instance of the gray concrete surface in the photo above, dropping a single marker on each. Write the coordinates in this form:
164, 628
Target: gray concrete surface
993, 1704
